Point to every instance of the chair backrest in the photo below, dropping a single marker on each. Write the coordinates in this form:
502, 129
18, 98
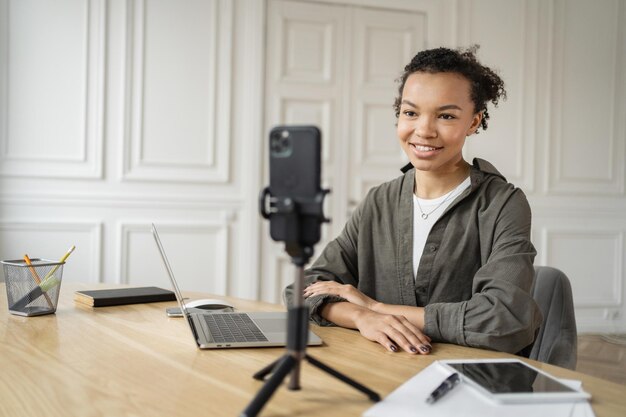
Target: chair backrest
556, 341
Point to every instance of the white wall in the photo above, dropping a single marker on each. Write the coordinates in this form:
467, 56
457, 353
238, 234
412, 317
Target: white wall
118, 113
561, 136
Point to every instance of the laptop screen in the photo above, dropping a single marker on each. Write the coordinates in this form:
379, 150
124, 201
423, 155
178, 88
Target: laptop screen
179, 296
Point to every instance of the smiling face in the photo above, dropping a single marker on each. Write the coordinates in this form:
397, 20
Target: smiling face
436, 115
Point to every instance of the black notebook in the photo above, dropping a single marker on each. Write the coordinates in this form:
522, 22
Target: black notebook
119, 296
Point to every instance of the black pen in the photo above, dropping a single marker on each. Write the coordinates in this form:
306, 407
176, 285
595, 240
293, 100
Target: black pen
443, 388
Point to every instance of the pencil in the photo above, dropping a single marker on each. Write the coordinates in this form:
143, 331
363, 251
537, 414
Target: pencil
32, 270
67, 254
36, 278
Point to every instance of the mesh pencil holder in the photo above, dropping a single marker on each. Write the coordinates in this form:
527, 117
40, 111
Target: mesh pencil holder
33, 290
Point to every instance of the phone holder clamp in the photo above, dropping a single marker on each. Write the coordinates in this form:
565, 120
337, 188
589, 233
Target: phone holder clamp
288, 205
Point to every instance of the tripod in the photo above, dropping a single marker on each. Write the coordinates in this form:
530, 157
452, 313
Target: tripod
297, 324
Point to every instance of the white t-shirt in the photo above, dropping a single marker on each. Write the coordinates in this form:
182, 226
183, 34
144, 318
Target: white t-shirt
431, 210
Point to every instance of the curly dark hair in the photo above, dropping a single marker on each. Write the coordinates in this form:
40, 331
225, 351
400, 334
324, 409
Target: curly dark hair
486, 85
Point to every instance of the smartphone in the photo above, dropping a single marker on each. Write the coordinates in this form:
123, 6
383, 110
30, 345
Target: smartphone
295, 171
173, 312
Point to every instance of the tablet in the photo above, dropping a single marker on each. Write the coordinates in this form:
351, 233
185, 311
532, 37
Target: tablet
513, 381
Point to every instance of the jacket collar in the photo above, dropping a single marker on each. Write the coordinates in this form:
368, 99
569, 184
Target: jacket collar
477, 163
486, 167
480, 171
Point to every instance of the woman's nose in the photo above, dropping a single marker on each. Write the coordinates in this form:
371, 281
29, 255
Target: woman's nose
425, 127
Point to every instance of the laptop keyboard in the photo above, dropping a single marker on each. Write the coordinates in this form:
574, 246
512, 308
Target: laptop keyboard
232, 328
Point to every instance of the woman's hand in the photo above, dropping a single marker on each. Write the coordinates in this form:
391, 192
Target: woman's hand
393, 331
347, 291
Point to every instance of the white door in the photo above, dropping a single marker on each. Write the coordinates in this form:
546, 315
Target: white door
334, 66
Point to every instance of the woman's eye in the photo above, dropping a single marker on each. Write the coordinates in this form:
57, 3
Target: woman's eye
409, 113
446, 116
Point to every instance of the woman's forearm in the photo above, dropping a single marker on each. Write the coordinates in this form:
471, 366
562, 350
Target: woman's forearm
413, 314
346, 314
343, 314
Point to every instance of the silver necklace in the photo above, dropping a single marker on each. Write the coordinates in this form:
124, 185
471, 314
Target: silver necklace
425, 215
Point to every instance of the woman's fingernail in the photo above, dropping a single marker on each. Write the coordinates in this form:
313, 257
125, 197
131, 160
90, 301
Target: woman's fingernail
394, 348
425, 348
413, 349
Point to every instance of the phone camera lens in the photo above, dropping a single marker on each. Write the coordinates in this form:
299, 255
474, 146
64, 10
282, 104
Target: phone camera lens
280, 143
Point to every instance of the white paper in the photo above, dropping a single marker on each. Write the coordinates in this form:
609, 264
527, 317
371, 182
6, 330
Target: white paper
409, 400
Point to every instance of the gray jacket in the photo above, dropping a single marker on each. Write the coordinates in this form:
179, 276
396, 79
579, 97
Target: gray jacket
475, 273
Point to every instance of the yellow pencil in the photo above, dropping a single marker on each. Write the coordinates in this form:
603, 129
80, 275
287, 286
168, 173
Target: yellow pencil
67, 254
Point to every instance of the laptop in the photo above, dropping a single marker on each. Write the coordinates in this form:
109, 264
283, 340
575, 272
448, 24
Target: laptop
219, 330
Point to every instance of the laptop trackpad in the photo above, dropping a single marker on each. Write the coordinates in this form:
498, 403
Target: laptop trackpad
275, 325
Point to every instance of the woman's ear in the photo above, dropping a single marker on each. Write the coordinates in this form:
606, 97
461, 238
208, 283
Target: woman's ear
478, 117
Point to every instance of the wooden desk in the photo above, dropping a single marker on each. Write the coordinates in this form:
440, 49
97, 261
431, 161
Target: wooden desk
134, 361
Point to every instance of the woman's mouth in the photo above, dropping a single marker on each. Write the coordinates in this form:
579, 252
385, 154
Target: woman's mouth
424, 151
425, 148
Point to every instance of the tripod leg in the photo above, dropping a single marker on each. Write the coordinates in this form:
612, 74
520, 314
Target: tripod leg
294, 380
285, 365
371, 394
260, 375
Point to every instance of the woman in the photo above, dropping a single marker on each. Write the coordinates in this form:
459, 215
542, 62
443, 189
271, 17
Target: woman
443, 252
